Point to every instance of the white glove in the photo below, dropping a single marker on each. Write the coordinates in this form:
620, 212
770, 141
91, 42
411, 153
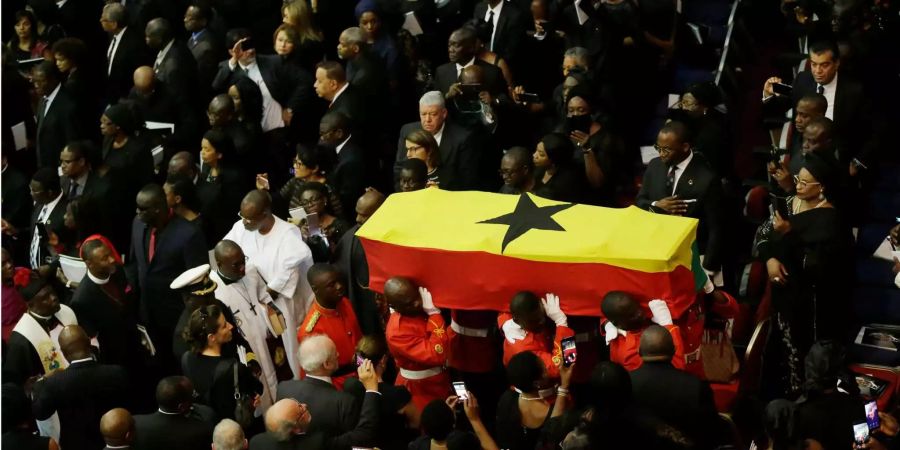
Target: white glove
427, 302
661, 314
512, 331
611, 331
553, 311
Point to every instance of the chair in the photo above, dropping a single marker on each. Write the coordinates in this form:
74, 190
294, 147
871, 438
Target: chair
747, 381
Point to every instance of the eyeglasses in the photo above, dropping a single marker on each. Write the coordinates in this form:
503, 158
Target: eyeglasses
803, 183
310, 201
662, 150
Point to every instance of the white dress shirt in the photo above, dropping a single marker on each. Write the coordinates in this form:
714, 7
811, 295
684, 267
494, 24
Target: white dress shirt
459, 68
487, 14
830, 90
338, 93
440, 133
113, 46
338, 148
42, 217
582, 16
272, 117
161, 56
48, 100
679, 169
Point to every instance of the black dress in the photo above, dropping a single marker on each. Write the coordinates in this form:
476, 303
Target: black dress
812, 305
566, 185
213, 379
220, 199
129, 169
510, 432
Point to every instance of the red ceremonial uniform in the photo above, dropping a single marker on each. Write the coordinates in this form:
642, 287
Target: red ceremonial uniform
471, 347
419, 346
624, 349
692, 328
341, 326
547, 347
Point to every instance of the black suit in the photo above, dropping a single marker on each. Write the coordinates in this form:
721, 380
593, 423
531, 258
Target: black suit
510, 29
164, 105
207, 51
53, 223
157, 431
16, 199
459, 156
361, 436
368, 74
352, 103
350, 257
94, 187
679, 398
333, 412
179, 246
290, 85
110, 318
56, 127
178, 70
592, 35
494, 82
856, 128
80, 394
349, 177
700, 182
130, 54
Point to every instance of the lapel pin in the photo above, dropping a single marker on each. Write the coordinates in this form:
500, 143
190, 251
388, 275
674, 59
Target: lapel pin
690, 182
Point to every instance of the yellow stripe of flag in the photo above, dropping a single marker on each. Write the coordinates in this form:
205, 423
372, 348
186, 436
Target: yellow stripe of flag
630, 238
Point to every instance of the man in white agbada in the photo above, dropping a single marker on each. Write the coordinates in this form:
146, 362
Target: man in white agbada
259, 316
279, 254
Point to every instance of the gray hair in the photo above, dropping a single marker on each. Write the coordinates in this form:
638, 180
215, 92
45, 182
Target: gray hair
312, 352
356, 35
579, 53
432, 98
228, 435
117, 13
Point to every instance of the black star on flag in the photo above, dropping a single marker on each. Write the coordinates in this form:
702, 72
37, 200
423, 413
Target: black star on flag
528, 216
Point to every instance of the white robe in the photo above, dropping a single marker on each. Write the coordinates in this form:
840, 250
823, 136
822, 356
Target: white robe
255, 325
282, 260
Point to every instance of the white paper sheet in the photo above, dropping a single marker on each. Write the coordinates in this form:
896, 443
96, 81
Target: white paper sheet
648, 153
159, 126
411, 24
884, 251
73, 268
298, 213
19, 136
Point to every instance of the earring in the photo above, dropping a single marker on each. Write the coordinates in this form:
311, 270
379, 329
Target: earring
822, 195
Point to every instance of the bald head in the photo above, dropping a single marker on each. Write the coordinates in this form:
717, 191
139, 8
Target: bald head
367, 205
158, 33
657, 344
144, 79
182, 163
622, 310
230, 260
403, 295
220, 110
74, 343
472, 75
286, 418
256, 211
117, 427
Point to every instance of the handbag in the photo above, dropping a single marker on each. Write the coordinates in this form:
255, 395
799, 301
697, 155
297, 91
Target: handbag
243, 403
720, 362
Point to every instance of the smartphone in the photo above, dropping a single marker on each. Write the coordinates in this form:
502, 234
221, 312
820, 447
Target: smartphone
780, 205
689, 200
527, 97
579, 123
359, 360
470, 89
860, 433
312, 221
568, 350
248, 44
872, 415
459, 387
782, 89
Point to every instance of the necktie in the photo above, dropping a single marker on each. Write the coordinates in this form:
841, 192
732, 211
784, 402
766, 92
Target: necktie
151, 251
491, 22
73, 190
820, 90
459, 70
112, 46
42, 106
670, 180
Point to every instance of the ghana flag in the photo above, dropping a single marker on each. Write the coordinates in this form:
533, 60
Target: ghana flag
475, 250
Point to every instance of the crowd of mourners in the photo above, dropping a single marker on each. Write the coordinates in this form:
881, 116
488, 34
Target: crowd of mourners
208, 163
